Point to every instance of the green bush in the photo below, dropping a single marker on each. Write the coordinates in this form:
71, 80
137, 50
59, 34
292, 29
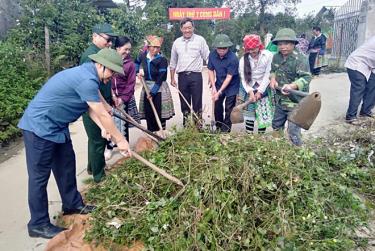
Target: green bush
22, 76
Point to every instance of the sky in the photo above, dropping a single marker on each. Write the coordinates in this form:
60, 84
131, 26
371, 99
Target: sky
305, 7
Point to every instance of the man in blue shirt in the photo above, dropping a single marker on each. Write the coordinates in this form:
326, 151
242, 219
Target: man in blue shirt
223, 64
45, 124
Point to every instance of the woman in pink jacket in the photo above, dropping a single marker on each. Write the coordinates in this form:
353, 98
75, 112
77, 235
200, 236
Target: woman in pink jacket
123, 90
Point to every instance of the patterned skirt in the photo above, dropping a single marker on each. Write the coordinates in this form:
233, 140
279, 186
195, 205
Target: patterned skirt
167, 108
262, 111
131, 110
320, 61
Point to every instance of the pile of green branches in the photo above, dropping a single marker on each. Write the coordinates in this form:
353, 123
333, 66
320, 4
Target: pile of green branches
242, 192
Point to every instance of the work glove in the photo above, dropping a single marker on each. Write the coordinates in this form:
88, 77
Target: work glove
154, 90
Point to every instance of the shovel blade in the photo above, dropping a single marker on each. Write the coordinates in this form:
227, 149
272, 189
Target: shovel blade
236, 116
305, 113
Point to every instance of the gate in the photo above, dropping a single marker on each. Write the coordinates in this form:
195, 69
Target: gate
345, 30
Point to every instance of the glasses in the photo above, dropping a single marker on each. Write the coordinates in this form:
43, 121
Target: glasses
105, 38
222, 48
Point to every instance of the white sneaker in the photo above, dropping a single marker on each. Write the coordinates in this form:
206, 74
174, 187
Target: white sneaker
108, 154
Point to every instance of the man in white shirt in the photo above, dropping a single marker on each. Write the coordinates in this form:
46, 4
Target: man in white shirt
360, 66
188, 53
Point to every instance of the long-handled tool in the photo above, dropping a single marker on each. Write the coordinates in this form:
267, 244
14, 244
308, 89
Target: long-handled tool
153, 107
126, 117
213, 122
155, 168
188, 104
305, 113
236, 116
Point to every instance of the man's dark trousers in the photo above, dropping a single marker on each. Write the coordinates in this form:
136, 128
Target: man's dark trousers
223, 122
42, 156
191, 86
360, 89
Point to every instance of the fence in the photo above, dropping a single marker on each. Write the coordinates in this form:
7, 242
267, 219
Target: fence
345, 30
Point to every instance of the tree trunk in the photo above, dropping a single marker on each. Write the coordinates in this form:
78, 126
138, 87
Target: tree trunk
46, 50
262, 25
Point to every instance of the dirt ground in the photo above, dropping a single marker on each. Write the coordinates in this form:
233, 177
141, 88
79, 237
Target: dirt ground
14, 213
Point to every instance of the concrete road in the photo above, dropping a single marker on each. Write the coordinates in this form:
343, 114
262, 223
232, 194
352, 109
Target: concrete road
14, 213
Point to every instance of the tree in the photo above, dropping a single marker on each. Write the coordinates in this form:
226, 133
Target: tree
260, 7
69, 22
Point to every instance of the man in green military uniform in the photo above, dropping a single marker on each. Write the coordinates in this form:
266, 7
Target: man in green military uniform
101, 38
289, 70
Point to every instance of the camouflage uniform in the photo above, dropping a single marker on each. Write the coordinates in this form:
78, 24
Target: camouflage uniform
293, 69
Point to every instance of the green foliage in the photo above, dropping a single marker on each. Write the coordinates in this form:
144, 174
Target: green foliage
69, 23
128, 23
21, 78
242, 193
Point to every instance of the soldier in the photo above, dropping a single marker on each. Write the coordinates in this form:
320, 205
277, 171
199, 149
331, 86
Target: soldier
289, 70
101, 38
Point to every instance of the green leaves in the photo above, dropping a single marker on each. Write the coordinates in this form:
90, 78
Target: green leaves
17, 86
252, 193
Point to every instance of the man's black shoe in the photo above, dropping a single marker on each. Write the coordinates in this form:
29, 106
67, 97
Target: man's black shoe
363, 115
79, 210
47, 231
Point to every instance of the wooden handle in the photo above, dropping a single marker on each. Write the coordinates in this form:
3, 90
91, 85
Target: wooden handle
152, 104
187, 103
157, 169
244, 104
295, 92
127, 117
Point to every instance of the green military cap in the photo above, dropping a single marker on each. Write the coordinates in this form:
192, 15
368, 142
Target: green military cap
285, 34
109, 58
104, 28
222, 41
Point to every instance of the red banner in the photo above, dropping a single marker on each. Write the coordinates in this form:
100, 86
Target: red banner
199, 13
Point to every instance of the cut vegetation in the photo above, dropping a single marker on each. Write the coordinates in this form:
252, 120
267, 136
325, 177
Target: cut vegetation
242, 192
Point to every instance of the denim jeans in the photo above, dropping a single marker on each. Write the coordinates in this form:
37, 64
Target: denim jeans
278, 123
360, 90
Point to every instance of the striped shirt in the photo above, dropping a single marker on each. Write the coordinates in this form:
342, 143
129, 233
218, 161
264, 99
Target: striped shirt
188, 54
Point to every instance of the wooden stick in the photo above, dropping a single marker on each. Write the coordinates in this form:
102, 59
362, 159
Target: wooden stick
187, 103
213, 116
126, 117
157, 169
152, 104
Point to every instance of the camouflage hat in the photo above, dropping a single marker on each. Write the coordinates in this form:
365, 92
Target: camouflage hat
109, 58
285, 34
104, 28
222, 41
